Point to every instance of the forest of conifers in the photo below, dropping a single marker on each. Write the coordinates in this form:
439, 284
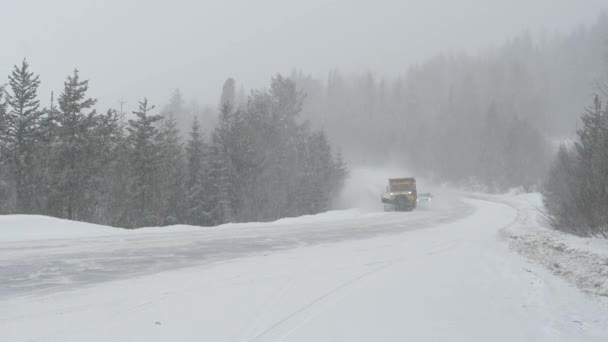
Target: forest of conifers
260, 162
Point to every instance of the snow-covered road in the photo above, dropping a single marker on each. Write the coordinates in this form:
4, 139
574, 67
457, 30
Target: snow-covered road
66, 258
441, 274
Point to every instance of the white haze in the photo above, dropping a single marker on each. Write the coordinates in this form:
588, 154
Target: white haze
130, 48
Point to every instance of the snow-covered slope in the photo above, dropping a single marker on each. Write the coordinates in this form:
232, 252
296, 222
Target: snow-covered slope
447, 273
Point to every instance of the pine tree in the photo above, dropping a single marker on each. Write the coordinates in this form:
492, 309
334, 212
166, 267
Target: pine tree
275, 137
592, 149
320, 172
45, 157
103, 143
559, 192
242, 161
339, 174
197, 187
144, 162
221, 174
176, 108
172, 167
73, 157
3, 118
576, 192
5, 186
118, 179
228, 97
22, 133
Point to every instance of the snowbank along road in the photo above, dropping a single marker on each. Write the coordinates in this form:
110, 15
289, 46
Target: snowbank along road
444, 273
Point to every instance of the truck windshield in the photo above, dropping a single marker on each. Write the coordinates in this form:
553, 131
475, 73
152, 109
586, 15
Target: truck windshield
401, 187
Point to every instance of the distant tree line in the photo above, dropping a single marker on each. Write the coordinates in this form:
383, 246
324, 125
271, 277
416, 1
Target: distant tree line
576, 191
261, 161
487, 121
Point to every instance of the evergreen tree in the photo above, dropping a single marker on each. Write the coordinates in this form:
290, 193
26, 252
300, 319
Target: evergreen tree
118, 179
176, 106
221, 174
105, 138
242, 161
73, 157
278, 133
5, 185
144, 162
22, 133
197, 186
592, 149
228, 97
45, 156
3, 118
177, 109
326, 173
576, 192
172, 175
559, 192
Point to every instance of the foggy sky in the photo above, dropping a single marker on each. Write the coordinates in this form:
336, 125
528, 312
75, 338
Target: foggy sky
136, 48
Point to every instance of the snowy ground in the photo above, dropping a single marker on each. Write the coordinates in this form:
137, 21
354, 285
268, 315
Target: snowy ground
450, 272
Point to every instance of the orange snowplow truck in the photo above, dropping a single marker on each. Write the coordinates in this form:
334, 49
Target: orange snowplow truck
401, 195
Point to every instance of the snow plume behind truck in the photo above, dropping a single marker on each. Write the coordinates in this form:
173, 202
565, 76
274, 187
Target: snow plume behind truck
401, 194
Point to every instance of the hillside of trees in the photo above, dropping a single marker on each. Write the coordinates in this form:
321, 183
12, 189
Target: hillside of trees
260, 161
490, 120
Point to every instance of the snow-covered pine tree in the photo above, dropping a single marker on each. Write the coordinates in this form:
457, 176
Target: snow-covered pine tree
242, 162
302, 190
178, 110
2, 114
6, 205
73, 158
560, 194
144, 163
286, 104
221, 172
197, 192
228, 97
172, 172
105, 136
339, 174
592, 149
320, 167
22, 133
118, 178
45, 156
259, 134
576, 191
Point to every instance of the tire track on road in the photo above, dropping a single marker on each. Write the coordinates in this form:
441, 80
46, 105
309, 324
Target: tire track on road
316, 303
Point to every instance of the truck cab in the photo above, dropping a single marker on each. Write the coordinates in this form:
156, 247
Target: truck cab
401, 194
